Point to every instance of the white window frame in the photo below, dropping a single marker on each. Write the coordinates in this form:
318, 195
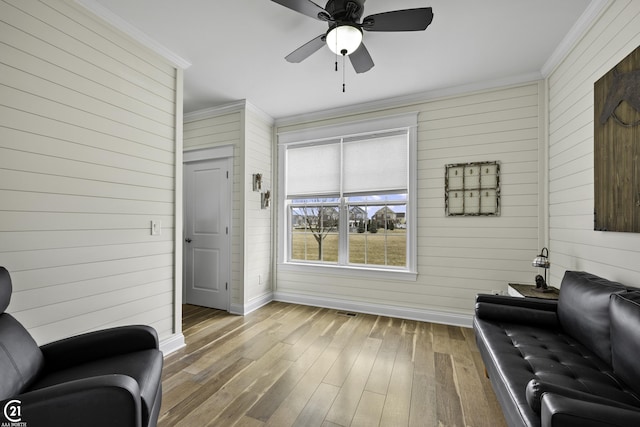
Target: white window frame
407, 121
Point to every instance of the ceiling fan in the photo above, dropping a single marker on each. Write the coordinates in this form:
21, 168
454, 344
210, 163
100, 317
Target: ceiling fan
344, 36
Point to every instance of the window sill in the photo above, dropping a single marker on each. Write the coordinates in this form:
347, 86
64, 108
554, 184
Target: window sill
349, 271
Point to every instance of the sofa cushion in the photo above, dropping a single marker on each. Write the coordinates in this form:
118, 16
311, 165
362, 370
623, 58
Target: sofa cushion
582, 293
556, 358
515, 354
625, 345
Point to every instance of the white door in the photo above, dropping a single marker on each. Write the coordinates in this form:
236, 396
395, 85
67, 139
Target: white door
206, 248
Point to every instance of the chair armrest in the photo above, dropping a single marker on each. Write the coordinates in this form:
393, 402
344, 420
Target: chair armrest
98, 345
562, 411
528, 311
103, 401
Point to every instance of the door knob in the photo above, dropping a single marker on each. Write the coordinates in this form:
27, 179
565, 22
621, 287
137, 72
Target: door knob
188, 240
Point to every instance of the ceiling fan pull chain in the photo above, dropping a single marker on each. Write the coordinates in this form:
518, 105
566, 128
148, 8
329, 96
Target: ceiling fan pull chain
336, 54
343, 72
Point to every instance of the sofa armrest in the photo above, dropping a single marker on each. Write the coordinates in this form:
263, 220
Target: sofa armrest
536, 389
535, 303
562, 411
533, 311
103, 401
98, 345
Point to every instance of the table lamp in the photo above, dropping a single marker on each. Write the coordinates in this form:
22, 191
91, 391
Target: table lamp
542, 261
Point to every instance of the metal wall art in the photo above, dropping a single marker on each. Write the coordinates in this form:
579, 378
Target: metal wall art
472, 189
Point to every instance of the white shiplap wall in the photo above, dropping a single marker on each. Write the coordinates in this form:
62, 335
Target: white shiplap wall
87, 160
258, 231
457, 256
249, 132
574, 245
217, 129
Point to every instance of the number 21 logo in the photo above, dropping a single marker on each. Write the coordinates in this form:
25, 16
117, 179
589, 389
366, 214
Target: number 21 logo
13, 411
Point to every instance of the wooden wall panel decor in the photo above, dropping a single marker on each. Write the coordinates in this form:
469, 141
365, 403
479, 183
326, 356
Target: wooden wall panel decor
472, 189
617, 147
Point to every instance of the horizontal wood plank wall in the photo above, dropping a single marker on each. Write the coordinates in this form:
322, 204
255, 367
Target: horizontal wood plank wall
458, 257
257, 280
574, 245
225, 130
87, 149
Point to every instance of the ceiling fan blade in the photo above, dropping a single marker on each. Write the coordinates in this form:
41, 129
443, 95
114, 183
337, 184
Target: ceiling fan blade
306, 50
399, 20
361, 59
306, 7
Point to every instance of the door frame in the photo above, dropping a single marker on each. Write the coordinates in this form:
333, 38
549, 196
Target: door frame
199, 155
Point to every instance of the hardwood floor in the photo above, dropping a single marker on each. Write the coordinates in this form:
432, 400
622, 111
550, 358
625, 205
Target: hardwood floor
292, 365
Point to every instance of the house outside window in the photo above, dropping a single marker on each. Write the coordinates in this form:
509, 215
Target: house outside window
347, 196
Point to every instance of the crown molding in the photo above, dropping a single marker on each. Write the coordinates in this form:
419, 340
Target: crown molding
575, 34
408, 100
218, 110
223, 109
258, 112
381, 104
114, 20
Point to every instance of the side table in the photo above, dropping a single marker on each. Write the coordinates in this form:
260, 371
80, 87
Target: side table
521, 290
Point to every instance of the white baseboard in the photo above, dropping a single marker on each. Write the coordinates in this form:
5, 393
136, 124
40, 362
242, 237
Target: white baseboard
252, 305
378, 309
171, 344
237, 309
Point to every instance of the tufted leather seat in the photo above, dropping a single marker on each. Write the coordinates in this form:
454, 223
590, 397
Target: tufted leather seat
526, 359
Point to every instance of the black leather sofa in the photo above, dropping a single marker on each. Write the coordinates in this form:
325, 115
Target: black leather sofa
570, 362
108, 378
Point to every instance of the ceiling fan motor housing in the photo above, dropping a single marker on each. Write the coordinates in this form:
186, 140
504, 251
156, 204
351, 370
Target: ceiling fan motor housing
345, 11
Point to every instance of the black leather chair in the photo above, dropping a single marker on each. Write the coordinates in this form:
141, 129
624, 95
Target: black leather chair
105, 378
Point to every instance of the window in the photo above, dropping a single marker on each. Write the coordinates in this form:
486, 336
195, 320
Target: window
347, 199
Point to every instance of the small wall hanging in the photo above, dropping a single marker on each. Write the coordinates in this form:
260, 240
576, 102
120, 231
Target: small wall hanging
472, 189
265, 199
257, 181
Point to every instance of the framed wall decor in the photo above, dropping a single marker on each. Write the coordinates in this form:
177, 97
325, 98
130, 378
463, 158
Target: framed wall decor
616, 150
472, 189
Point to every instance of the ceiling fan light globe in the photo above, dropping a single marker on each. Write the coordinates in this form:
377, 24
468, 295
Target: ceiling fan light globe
344, 39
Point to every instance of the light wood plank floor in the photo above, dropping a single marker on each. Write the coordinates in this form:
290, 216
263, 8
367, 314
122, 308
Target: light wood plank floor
291, 365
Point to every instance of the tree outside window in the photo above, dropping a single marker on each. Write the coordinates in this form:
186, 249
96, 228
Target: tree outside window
313, 223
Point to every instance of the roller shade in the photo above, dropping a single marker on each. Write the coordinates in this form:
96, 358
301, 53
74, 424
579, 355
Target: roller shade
376, 165
313, 170
347, 167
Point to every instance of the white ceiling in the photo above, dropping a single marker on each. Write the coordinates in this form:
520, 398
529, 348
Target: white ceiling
237, 47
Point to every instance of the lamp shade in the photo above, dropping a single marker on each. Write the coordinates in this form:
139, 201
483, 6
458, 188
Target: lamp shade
542, 260
344, 39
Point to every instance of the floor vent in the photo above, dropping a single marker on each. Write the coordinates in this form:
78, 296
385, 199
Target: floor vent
346, 313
